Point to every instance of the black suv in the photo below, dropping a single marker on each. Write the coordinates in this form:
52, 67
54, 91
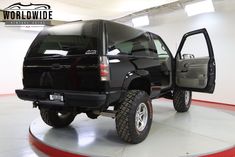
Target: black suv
105, 68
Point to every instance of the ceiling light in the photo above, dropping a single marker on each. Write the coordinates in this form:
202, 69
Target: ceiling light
140, 21
205, 6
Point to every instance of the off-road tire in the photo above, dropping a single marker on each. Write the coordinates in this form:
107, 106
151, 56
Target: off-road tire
181, 103
126, 116
56, 119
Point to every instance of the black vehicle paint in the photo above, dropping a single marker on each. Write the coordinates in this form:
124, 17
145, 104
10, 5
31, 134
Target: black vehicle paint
126, 57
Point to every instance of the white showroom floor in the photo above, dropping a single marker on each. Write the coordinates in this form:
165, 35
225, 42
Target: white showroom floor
198, 132
15, 118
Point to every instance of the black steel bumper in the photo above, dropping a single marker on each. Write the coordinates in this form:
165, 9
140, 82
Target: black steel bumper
71, 98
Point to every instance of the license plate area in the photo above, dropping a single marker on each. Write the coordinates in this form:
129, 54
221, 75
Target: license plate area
56, 97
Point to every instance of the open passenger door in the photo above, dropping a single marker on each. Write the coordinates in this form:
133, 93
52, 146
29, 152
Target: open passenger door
195, 72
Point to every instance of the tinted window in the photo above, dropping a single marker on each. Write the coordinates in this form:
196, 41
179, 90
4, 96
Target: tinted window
161, 48
126, 40
69, 39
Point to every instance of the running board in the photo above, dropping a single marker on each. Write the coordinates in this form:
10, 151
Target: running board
107, 113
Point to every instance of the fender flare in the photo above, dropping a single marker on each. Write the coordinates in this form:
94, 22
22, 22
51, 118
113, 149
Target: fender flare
130, 76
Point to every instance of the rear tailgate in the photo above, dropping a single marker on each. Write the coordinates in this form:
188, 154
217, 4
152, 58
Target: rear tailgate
80, 73
65, 57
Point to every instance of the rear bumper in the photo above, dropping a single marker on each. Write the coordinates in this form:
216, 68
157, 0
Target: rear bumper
71, 98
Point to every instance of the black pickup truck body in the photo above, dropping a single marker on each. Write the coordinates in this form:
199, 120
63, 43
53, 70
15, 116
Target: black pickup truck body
88, 66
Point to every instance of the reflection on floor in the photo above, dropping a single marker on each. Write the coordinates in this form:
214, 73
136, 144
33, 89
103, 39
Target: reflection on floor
192, 133
199, 131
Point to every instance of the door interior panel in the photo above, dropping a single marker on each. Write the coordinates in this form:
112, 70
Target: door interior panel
166, 72
192, 73
195, 73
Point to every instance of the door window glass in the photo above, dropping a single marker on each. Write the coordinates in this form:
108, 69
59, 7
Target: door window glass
189, 49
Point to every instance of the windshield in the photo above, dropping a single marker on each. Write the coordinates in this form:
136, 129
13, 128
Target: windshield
79, 38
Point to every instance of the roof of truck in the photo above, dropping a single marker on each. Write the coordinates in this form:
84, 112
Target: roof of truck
122, 26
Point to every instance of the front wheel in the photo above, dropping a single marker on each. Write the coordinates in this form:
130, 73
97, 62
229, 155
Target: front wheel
57, 119
182, 100
134, 117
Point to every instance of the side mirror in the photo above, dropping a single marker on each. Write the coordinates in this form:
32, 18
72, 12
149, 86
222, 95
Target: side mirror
188, 56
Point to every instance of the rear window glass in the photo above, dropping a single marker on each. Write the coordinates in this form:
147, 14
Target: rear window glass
70, 39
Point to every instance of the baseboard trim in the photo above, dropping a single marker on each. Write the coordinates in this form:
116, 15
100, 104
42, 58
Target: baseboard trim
212, 104
8, 94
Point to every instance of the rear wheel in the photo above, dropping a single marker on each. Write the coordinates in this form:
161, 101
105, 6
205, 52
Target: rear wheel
134, 117
57, 119
182, 100
91, 115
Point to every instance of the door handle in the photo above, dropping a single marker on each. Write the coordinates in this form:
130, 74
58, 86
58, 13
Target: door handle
186, 65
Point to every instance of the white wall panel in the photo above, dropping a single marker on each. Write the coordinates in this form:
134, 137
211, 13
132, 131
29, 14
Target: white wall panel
221, 27
171, 26
13, 47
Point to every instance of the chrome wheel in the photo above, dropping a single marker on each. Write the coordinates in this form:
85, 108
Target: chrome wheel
141, 117
187, 97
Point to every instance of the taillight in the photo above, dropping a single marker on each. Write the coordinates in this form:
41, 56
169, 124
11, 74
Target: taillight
104, 69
